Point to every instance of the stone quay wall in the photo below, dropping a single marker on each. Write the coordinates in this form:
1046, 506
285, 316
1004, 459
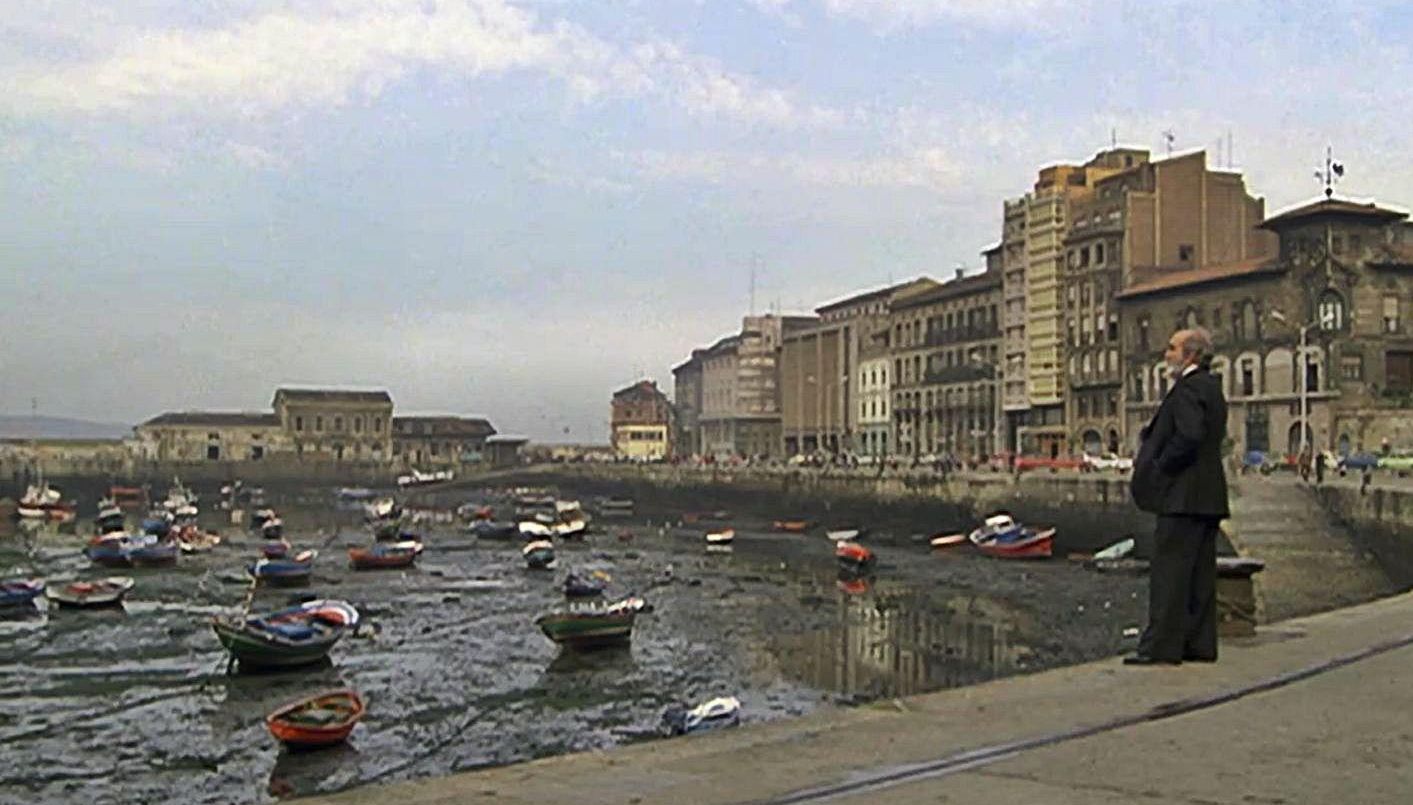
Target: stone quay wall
1381, 522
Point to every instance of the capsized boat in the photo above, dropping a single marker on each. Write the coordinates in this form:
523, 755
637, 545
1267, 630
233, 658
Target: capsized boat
592, 626
538, 554
18, 592
96, 593
722, 537
294, 570
324, 719
711, 715
287, 638
383, 555
853, 556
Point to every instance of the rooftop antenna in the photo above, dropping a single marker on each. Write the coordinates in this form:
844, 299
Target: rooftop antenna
1169, 137
1230, 161
1333, 172
1113, 137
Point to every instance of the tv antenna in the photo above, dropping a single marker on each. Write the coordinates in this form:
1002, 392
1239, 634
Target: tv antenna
1333, 172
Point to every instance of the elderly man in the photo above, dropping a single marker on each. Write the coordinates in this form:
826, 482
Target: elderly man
1178, 476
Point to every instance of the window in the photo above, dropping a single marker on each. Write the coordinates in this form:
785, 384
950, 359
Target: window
338, 424
1185, 252
213, 436
1138, 386
1083, 406
318, 424
1190, 321
1113, 405
257, 452
1098, 326
1113, 327
1331, 311
1398, 372
299, 423
1351, 367
1143, 327
1391, 314
1098, 254
1248, 377
213, 452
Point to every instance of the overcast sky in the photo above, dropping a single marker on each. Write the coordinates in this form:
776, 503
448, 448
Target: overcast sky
512, 209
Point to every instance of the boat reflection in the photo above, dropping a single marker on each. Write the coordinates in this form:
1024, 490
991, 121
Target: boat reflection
886, 645
300, 773
851, 582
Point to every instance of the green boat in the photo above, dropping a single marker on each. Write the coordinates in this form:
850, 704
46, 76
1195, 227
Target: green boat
289, 638
592, 626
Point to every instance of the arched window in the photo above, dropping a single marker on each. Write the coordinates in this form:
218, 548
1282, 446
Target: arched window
1190, 320
1330, 312
1249, 320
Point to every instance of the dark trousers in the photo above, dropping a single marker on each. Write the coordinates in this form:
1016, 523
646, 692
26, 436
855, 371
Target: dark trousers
1182, 590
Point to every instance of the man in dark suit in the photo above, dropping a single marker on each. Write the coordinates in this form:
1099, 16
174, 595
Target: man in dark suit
1178, 476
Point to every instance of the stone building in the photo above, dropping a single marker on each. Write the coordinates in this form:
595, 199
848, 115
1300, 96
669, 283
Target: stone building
1174, 213
1343, 272
946, 383
740, 395
1015, 401
420, 442
186, 436
641, 422
336, 423
687, 406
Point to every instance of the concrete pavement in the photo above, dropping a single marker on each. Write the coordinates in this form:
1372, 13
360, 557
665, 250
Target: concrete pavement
1339, 735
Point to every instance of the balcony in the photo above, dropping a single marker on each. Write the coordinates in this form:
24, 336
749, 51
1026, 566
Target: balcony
957, 374
959, 335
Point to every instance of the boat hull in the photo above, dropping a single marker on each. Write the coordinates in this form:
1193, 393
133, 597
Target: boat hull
587, 632
368, 559
286, 726
1038, 546
254, 649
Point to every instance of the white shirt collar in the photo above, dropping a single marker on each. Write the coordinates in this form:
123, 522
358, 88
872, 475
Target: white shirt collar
1189, 369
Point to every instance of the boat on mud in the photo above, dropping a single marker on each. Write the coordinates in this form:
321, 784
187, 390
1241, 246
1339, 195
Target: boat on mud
539, 554
127, 550
20, 592
44, 502
585, 585
110, 516
385, 555
724, 536
97, 593
1002, 537
287, 638
324, 719
711, 715
191, 539
585, 626
791, 525
294, 570
492, 529
853, 556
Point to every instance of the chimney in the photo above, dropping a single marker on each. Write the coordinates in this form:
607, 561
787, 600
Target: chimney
960, 271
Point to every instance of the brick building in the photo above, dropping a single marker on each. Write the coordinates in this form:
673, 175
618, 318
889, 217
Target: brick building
439, 441
641, 422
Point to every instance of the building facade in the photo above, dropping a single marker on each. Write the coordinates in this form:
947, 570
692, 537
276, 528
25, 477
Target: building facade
946, 378
813, 383
687, 406
1343, 272
1174, 213
641, 423
335, 423
182, 436
740, 388
439, 441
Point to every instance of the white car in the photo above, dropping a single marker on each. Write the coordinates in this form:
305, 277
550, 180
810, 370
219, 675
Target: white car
1108, 461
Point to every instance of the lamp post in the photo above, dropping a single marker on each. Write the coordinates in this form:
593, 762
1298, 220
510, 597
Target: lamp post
1302, 376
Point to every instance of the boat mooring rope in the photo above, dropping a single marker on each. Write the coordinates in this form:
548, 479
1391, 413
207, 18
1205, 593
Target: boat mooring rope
986, 755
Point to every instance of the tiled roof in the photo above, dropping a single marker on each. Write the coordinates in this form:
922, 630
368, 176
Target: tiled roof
215, 419
977, 283
334, 395
643, 388
441, 426
869, 296
1168, 279
1332, 206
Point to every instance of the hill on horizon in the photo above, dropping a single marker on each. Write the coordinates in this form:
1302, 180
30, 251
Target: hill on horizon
53, 427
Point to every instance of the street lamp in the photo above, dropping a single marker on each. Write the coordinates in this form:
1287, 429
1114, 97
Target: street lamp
999, 414
1303, 376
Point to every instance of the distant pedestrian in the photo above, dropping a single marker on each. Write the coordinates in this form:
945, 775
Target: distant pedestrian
1366, 477
1319, 468
1178, 475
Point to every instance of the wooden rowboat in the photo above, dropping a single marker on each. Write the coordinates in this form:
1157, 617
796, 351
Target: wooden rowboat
588, 627
19, 592
792, 526
852, 555
385, 555
97, 593
320, 720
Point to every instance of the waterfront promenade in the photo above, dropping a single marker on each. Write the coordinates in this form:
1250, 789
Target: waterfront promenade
1308, 711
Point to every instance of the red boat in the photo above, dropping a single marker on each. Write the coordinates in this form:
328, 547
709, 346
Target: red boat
324, 719
1032, 545
796, 526
385, 555
853, 555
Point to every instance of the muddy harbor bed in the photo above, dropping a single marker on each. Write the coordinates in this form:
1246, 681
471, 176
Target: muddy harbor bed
137, 704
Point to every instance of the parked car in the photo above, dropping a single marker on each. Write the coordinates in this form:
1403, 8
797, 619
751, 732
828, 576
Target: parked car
1108, 461
1024, 463
1357, 462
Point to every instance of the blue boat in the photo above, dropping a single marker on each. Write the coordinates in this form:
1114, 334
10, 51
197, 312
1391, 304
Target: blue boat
296, 570
116, 550
158, 525
19, 592
154, 553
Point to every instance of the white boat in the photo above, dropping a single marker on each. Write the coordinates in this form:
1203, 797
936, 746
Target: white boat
844, 534
711, 715
42, 501
382, 509
532, 530
180, 501
720, 537
419, 478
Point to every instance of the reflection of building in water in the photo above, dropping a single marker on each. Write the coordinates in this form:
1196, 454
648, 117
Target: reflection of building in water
896, 646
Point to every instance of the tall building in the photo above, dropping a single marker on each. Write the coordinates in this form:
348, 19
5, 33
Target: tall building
641, 423
687, 404
740, 391
946, 382
1014, 347
1172, 214
1342, 272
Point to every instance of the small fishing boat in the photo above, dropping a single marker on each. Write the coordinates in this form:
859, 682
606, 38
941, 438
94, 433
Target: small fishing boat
353, 493
844, 534
275, 549
385, 555
711, 715
1027, 543
180, 501
128, 497
948, 540
853, 556
110, 516
382, 509
722, 537
538, 554
573, 529
324, 719
294, 570
157, 553
792, 525
532, 530
158, 523
287, 638
113, 550
592, 626
19, 592
44, 502
578, 585
191, 539
96, 593
491, 529
997, 526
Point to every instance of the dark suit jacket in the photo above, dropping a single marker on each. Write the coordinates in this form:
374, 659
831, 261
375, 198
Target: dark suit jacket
1179, 465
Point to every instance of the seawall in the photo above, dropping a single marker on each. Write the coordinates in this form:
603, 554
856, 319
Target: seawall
1380, 521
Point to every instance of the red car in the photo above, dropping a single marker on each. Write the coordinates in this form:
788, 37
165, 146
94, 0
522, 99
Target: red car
1025, 463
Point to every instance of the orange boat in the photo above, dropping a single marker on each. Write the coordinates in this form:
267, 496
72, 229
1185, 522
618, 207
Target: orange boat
792, 526
853, 556
323, 719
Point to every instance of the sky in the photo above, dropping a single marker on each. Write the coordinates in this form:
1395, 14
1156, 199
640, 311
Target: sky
512, 209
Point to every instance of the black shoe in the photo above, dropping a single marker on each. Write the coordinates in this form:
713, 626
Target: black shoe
1198, 658
1144, 659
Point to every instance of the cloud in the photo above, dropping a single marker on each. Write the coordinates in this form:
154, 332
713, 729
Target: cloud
928, 168
341, 53
890, 15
